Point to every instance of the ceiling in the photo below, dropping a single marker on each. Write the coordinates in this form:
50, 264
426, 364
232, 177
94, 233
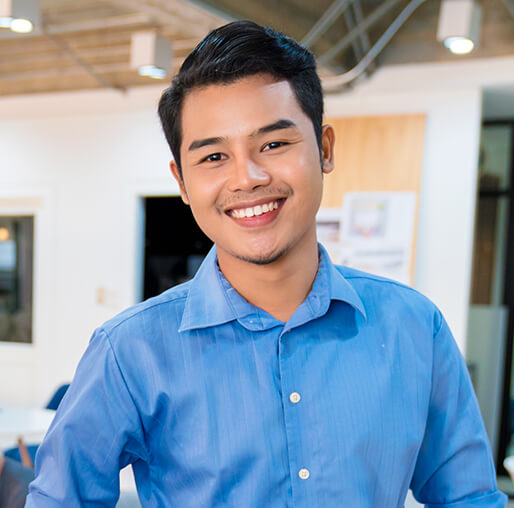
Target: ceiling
86, 44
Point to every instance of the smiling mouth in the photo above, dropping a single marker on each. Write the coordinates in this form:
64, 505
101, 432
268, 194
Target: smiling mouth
255, 211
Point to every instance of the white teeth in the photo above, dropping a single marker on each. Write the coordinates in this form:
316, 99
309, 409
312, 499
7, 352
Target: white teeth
241, 213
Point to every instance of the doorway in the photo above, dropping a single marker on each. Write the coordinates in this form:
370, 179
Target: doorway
174, 245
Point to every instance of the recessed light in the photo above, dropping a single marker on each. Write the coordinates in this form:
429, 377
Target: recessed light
459, 45
152, 71
21, 26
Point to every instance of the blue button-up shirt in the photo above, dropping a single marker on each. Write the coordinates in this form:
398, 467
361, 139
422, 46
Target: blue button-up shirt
360, 396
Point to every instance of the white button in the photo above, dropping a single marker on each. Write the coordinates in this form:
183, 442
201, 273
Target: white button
295, 397
304, 473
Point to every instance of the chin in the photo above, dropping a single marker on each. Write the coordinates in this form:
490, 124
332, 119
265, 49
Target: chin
262, 259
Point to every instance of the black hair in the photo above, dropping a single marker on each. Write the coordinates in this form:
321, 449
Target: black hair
232, 52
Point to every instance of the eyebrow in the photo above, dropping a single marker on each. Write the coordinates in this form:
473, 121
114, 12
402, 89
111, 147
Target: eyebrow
275, 126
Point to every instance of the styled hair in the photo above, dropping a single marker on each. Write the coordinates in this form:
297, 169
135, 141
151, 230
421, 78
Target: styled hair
235, 51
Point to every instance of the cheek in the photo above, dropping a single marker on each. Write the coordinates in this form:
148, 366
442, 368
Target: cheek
202, 190
304, 172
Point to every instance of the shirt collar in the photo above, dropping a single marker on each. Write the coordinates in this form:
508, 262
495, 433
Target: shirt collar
340, 288
212, 301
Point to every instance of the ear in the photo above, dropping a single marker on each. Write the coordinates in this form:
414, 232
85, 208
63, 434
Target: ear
327, 148
178, 177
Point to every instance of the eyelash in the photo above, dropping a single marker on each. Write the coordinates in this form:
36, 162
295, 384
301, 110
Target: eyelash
267, 146
278, 143
208, 158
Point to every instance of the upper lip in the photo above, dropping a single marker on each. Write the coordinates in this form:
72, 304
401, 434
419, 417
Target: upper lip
251, 204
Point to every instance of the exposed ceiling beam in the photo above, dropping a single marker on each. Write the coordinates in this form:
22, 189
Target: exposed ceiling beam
196, 11
325, 22
350, 24
73, 70
178, 20
222, 14
360, 18
67, 71
27, 57
83, 26
359, 29
40, 49
83, 65
510, 6
333, 83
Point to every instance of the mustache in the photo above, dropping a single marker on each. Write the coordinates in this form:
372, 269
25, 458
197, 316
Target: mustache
241, 196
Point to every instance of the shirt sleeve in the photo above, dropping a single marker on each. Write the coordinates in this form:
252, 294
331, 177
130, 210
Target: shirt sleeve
95, 433
454, 468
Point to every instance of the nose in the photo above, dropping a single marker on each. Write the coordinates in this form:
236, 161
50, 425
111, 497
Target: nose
247, 175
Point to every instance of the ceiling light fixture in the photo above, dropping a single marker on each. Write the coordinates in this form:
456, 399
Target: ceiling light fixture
150, 55
20, 16
459, 25
21, 26
459, 45
152, 71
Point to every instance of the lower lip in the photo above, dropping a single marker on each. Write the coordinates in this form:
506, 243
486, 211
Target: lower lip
258, 220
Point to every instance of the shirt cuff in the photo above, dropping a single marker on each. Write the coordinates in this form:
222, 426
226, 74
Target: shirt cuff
494, 499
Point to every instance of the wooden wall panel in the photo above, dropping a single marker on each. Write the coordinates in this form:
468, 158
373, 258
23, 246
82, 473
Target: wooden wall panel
376, 153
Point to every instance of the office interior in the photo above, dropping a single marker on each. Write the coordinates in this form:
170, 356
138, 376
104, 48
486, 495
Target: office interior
91, 221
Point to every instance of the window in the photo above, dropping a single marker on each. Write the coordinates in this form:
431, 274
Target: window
16, 261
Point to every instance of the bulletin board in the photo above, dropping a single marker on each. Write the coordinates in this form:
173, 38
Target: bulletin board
376, 154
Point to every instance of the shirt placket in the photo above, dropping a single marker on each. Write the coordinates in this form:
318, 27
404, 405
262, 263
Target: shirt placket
299, 466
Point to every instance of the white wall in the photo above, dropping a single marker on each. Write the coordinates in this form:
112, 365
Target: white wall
83, 158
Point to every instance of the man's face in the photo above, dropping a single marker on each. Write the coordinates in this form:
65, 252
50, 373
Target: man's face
251, 168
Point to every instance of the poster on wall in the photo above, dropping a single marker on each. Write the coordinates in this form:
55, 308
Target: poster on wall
373, 232
328, 227
377, 232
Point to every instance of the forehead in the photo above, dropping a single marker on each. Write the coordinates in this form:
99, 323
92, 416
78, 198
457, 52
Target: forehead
238, 108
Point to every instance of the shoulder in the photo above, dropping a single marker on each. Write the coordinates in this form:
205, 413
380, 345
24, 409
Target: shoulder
383, 296
166, 308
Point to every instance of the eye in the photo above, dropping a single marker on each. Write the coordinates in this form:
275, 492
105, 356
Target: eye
213, 157
273, 145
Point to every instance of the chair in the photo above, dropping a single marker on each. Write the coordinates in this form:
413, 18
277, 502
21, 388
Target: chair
14, 453
14, 482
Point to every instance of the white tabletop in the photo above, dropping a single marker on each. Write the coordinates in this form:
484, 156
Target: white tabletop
29, 423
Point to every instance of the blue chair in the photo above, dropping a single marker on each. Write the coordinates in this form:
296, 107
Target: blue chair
57, 397
14, 453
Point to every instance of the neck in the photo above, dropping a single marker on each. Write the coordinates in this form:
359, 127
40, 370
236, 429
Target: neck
280, 287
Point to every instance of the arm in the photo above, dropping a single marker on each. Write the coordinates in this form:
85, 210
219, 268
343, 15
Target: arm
454, 468
95, 433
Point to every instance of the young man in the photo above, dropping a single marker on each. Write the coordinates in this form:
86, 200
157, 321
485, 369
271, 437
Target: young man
273, 378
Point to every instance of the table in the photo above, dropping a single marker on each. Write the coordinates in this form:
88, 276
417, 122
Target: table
29, 423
